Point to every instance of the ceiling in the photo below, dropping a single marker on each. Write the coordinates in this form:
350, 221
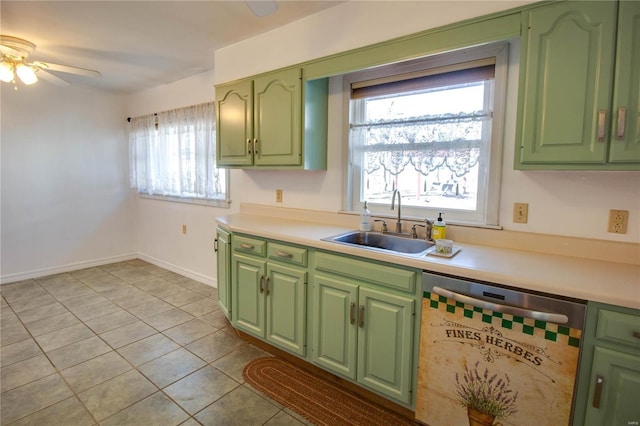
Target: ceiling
137, 45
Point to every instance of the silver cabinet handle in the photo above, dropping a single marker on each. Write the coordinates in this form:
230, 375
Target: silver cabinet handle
352, 313
215, 245
262, 284
247, 246
266, 287
255, 146
622, 120
249, 146
602, 117
598, 392
361, 317
505, 309
284, 254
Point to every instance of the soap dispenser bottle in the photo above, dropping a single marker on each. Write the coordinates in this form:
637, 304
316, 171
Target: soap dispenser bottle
439, 231
365, 219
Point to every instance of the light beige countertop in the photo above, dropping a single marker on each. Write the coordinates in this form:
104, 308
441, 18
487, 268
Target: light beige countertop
582, 278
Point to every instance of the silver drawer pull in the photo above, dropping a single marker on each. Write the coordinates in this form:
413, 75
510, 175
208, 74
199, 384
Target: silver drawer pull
361, 317
266, 287
247, 246
249, 146
505, 309
597, 394
352, 313
255, 146
284, 254
262, 284
602, 117
622, 120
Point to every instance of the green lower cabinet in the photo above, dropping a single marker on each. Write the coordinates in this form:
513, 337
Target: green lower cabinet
286, 295
247, 290
364, 334
615, 389
609, 378
268, 298
334, 325
223, 259
385, 340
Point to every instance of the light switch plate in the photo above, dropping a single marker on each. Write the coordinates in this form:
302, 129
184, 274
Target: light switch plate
520, 212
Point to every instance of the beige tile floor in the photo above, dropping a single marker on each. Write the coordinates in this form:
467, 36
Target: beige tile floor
127, 343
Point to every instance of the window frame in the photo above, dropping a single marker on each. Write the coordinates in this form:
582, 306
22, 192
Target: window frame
487, 215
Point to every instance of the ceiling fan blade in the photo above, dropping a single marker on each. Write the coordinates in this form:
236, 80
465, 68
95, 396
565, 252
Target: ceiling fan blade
52, 78
262, 8
68, 69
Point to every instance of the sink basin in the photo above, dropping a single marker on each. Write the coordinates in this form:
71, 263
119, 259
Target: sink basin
382, 242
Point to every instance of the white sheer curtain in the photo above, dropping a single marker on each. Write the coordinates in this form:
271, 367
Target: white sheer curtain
173, 154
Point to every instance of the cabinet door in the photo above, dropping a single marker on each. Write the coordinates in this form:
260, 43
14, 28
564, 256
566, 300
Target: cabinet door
334, 324
620, 387
385, 343
625, 130
234, 131
285, 291
223, 245
565, 82
277, 119
247, 294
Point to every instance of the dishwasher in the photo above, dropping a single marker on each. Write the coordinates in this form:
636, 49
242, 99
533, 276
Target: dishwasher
492, 355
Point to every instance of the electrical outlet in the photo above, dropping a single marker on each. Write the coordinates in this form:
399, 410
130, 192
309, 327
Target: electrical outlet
278, 195
184, 229
520, 212
618, 220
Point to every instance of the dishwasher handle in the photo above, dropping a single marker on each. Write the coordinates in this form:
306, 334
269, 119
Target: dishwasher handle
505, 309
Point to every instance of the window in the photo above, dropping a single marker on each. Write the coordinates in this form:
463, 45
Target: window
172, 154
432, 129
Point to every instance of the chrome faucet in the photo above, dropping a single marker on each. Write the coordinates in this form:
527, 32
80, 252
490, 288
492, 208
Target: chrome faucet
428, 230
393, 202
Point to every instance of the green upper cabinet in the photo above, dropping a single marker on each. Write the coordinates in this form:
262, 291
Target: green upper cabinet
234, 127
277, 115
625, 132
274, 120
576, 90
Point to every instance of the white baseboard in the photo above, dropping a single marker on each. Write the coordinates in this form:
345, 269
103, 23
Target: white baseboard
9, 278
205, 279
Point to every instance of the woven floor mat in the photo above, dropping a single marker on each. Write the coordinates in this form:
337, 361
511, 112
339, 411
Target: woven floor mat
314, 398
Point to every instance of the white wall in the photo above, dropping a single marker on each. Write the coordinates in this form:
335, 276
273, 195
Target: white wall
562, 203
159, 223
65, 197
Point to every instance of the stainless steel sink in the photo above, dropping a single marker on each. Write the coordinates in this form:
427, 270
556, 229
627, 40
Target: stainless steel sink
382, 242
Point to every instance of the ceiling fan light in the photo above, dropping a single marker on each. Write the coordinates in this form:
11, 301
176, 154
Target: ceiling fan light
6, 72
26, 74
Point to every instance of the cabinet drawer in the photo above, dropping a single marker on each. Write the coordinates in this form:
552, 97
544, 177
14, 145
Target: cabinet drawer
254, 246
617, 327
370, 272
287, 253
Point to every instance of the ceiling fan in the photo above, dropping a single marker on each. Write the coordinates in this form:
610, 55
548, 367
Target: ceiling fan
15, 52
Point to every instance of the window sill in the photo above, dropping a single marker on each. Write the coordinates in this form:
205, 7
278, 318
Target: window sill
199, 201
